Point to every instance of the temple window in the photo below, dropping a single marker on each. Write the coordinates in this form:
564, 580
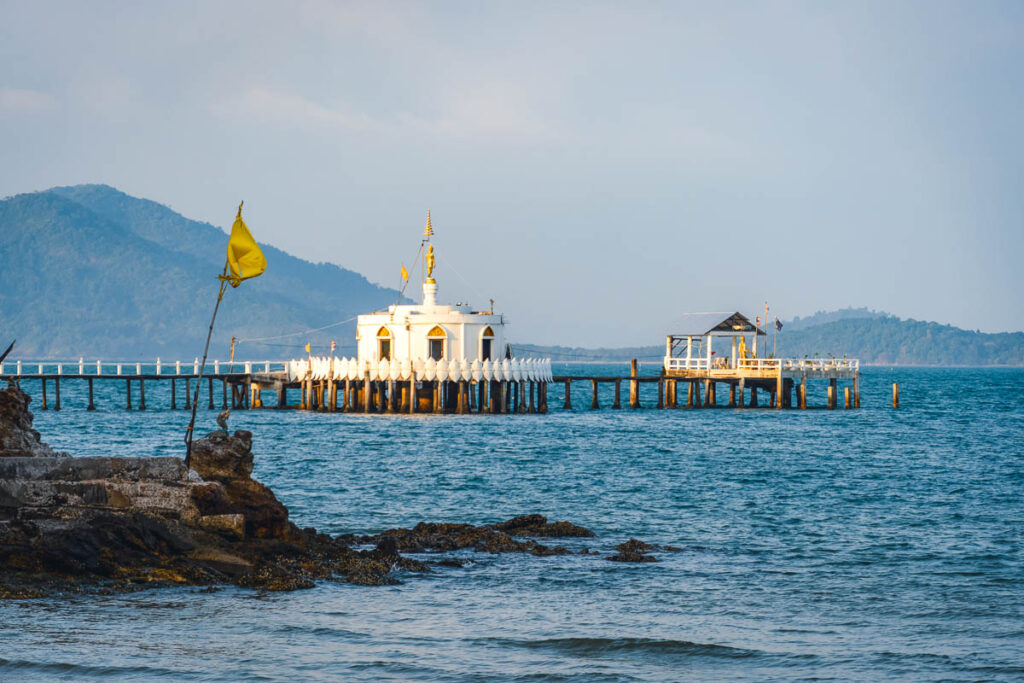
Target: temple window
486, 343
435, 343
384, 344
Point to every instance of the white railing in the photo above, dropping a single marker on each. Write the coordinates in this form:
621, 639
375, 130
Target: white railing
686, 363
125, 368
766, 364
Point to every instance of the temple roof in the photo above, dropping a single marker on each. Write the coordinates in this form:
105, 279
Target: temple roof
714, 324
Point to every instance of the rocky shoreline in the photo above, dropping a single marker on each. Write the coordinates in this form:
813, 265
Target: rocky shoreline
118, 524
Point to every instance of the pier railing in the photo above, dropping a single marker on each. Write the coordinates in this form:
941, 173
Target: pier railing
672, 363
98, 368
767, 364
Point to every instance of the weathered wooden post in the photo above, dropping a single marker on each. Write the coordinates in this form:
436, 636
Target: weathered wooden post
856, 390
779, 390
542, 397
832, 393
533, 406
753, 396
895, 395
174, 395
846, 397
521, 394
332, 391
412, 394
708, 393
223, 394
460, 402
568, 395
142, 394
382, 398
689, 394
188, 393
44, 406
634, 385
209, 388
803, 392
617, 404
128, 383
367, 392
593, 401
732, 395
661, 393
92, 406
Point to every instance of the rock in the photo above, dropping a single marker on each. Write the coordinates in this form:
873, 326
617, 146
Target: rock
232, 525
220, 457
537, 525
633, 551
17, 438
499, 538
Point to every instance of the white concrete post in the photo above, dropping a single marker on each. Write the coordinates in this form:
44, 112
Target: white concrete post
216, 367
40, 369
19, 367
177, 367
99, 368
81, 366
138, 368
158, 365
60, 368
689, 351
266, 367
709, 352
195, 367
119, 368
248, 367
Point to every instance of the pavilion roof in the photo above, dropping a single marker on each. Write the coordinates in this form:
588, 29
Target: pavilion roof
714, 324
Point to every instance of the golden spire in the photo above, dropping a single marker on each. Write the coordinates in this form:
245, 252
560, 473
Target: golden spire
428, 231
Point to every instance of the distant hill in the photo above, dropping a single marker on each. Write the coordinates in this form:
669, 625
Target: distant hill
89, 270
875, 338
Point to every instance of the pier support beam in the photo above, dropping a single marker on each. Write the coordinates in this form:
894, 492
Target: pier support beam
92, 406
803, 392
742, 391
634, 386
856, 390
128, 402
593, 402
832, 393
542, 397
209, 386
846, 397
617, 404
732, 395
188, 393
533, 405
223, 394
142, 394
568, 395
174, 395
56, 391
753, 396
708, 390
661, 394
779, 390
895, 395
44, 406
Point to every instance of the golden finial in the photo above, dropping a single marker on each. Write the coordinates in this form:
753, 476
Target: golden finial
428, 231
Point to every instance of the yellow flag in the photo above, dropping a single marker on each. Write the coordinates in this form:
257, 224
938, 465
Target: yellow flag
245, 260
405, 274
307, 348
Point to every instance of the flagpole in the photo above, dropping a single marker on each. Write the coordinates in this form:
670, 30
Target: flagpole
202, 367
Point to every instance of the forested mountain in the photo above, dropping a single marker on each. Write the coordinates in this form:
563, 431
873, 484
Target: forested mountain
89, 270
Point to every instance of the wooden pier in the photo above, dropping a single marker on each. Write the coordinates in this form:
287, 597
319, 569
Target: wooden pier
689, 383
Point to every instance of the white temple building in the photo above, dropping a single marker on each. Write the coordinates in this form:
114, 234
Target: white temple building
451, 358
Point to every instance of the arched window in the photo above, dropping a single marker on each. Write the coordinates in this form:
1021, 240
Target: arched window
383, 344
486, 343
436, 339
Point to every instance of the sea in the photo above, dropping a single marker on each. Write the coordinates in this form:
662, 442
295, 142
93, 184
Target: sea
845, 545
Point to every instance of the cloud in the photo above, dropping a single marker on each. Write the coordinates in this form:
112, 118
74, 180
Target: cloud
12, 99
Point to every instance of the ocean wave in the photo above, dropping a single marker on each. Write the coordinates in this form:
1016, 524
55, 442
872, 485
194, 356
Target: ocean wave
644, 646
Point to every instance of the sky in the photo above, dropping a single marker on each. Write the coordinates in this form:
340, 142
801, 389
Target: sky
597, 168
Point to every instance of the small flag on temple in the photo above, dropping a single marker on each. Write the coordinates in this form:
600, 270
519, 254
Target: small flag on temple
334, 345
307, 348
405, 274
778, 324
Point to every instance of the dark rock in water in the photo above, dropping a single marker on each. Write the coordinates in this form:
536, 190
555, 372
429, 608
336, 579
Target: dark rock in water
537, 525
17, 438
433, 537
633, 551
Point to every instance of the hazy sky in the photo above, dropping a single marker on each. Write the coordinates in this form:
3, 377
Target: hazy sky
597, 168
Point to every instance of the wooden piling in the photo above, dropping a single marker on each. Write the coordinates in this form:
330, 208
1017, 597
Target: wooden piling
223, 394
568, 395
707, 393
779, 390
188, 393
732, 395
92, 406
832, 394
753, 396
856, 390
634, 386
803, 392
617, 404
521, 394
56, 391
846, 397
142, 394
128, 402
689, 394
533, 406
895, 395
593, 402
742, 391
174, 395
44, 406
661, 394
209, 387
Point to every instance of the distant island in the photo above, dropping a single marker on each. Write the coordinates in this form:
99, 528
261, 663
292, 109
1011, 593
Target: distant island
874, 337
90, 269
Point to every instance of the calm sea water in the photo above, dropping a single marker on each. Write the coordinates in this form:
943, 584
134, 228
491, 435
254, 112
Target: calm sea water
844, 545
